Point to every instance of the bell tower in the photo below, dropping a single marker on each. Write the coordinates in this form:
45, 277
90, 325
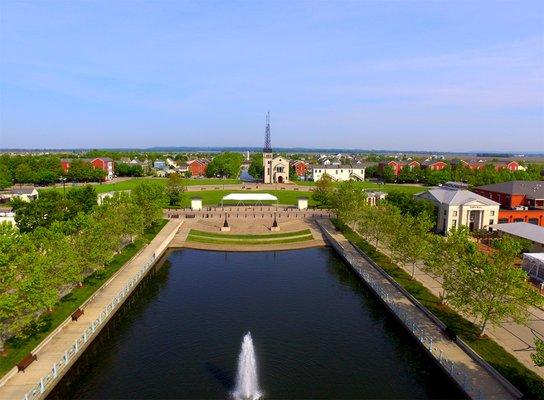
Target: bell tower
267, 152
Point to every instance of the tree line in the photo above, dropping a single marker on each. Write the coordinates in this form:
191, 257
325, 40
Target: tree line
488, 286
59, 240
458, 173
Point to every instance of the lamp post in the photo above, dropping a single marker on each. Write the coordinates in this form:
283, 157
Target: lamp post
63, 180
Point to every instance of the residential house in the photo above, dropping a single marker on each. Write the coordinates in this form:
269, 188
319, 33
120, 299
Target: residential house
106, 164
338, 172
197, 167
457, 207
434, 165
521, 201
398, 165
300, 167
24, 193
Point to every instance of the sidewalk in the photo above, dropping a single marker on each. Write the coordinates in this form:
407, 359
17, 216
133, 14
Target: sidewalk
517, 339
60, 345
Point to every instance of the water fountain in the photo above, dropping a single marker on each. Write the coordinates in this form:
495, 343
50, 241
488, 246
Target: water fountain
247, 385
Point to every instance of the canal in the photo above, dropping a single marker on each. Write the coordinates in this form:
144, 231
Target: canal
318, 333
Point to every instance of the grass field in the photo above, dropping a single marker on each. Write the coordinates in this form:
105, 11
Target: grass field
225, 238
506, 364
17, 349
130, 184
374, 186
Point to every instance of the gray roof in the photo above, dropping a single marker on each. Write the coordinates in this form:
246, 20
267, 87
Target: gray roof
524, 230
331, 166
24, 190
455, 197
532, 189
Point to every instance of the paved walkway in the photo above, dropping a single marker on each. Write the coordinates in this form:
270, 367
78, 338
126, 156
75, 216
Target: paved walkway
16, 386
477, 381
515, 338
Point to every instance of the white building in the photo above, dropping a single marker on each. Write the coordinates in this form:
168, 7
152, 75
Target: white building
338, 172
457, 207
24, 193
276, 169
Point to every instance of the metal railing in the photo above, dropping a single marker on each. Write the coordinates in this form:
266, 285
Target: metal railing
79, 344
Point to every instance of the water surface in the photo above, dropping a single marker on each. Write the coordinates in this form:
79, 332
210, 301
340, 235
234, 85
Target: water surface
318, 334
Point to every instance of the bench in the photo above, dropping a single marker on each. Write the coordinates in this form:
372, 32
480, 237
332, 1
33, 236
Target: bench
78, 313
25, 362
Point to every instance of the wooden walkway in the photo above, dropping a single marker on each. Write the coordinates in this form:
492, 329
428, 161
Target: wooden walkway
60, 350
472, 374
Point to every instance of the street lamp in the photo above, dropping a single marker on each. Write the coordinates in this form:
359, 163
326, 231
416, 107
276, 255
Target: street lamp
63, 180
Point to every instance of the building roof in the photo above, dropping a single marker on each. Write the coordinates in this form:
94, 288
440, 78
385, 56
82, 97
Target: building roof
535, 256
455, 197
524, 230
336, 166
531, 189
24, 190
250, 196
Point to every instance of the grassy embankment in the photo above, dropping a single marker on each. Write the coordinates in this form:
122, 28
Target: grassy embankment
520, 376
411, 189
226, 238
17, 349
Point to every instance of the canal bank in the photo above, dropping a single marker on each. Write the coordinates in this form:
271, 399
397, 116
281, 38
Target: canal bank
59, 351
472, 374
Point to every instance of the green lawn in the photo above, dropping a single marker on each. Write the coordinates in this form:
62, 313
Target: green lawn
213, 197
17, 349
130, 184
374, 186
226, 238
520, 376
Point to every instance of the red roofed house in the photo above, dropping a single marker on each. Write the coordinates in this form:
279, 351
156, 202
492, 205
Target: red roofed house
521, 201
510, 165
398, 165
301, 168
197, 167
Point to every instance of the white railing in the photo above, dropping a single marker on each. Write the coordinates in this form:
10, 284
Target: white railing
79, 344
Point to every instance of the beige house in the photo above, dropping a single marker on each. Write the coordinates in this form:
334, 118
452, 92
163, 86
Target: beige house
338, 173
24, 193
457, 207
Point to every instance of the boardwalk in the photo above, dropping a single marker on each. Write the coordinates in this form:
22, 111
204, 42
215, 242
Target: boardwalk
66, 344
476, 380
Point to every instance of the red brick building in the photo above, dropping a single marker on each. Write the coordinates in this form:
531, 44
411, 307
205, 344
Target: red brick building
300, 167
434, 165
398, 165
197, 167
521, 201
104, 163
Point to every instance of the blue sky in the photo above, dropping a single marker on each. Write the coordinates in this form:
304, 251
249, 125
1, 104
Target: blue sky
435, 75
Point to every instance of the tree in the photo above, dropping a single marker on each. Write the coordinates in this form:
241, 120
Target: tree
256, 168
411, 242
150, 198
388, 174
407, 205
24, 174
175, 188
491, 288
5, 177
538, 355
82, 198
349, 202
225, 165
323, 192
123, 169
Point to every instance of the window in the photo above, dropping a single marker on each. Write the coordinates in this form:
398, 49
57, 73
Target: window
533, 221
455, 213
492, 213
518, 219
503, 220
491, 222
454, 223
445, 211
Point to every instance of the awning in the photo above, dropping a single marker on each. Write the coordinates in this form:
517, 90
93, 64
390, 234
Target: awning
257, 197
